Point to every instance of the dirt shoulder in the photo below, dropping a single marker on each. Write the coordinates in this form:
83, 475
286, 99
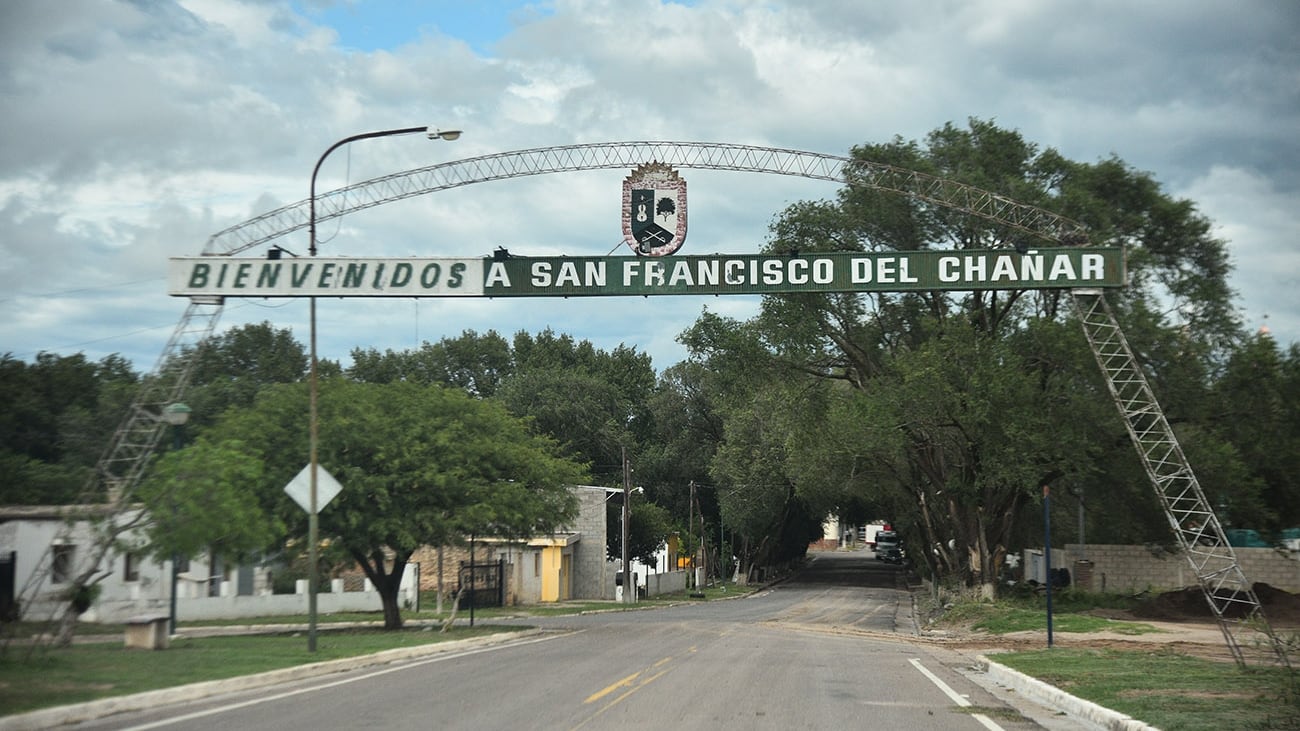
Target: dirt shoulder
1182, 620
1197, 639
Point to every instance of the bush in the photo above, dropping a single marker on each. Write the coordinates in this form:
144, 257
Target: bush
83, 597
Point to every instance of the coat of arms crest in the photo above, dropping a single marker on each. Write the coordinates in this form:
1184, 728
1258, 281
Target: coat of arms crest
654, 210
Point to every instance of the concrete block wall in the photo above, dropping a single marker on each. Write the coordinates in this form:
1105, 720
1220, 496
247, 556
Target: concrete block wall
1131, 569
665, 583
589, 565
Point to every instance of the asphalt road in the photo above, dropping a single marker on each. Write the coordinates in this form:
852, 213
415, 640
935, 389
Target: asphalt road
827, 649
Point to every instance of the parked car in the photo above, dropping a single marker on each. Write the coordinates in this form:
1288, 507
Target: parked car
888, 548
890, 554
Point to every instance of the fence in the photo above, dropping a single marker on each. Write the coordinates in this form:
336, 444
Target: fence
1134, 568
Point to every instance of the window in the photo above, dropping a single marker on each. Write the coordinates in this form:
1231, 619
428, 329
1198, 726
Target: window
131, 567
61, 564
537, 563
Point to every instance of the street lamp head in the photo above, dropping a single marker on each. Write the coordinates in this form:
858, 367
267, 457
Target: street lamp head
443, 134
176, 414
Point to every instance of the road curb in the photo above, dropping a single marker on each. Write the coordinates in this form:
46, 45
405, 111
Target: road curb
1053, 697
91, 710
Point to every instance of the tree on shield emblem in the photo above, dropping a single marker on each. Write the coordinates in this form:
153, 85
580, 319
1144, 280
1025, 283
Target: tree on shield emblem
654, 210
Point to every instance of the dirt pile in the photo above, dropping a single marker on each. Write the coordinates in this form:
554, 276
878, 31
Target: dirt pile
1281, 608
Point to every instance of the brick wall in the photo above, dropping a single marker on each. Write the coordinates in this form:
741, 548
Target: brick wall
452, 556
589, 565
1130, 569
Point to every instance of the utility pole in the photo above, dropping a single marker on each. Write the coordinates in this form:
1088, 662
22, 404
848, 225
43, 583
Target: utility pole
704, 550
690, 532
628, 583
1047, 555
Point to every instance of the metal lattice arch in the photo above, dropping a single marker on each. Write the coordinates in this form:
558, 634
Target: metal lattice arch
619, 155
1192, 519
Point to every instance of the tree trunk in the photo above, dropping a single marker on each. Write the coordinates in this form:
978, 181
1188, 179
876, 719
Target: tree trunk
87, 580
440, 589
455, 605
392, 611
67, 626
387, 583
744, 562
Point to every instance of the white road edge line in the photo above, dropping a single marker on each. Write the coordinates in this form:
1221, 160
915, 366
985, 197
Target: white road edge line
955, 696
391, 669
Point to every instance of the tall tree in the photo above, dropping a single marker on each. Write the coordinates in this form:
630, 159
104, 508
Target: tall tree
648, 527
685, 428
591, 400
472, 362
1256, 412
204, 499
57, 413
759, 405
232, 367
980, 395
420, 465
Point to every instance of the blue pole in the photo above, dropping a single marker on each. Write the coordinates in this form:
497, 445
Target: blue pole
176, 557
473, 592
1047, 551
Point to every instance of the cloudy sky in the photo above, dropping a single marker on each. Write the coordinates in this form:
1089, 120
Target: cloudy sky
133, 131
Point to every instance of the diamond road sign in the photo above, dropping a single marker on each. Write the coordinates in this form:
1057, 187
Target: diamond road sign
327, 488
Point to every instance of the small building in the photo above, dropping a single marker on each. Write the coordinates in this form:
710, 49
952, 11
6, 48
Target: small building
43, 547
570, 563
567, 564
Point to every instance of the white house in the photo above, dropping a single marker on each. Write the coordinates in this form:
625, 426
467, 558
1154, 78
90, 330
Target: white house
43, 547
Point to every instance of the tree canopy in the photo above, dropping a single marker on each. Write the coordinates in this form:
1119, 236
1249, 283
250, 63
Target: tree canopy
954, 409
420, 465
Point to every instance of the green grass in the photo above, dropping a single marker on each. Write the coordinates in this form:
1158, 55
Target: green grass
1028, 612
1168, 690
55, 677
1001, 619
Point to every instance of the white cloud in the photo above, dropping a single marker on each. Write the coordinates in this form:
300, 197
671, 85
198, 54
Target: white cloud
133, 131
1263, 235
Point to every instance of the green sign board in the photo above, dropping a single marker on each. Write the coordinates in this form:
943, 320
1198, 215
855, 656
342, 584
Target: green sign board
596, 276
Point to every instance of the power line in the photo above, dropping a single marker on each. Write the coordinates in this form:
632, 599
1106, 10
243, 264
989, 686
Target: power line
83, 289
75, 346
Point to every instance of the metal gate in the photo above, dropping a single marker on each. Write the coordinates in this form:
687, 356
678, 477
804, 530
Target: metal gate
8, 603
484, 584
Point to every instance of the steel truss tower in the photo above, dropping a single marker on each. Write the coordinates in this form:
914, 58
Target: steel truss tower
1195, 525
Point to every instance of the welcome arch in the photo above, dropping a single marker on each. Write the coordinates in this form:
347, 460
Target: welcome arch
937, 191
1194, 523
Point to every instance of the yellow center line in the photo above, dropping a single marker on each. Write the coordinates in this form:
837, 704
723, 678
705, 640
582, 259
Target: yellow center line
632, 685
600, 711
611, 688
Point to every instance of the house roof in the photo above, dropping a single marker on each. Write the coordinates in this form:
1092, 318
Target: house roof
55, 512
558, 539
554, 539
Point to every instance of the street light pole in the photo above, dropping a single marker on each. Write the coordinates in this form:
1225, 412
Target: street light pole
176, 415
313, 383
